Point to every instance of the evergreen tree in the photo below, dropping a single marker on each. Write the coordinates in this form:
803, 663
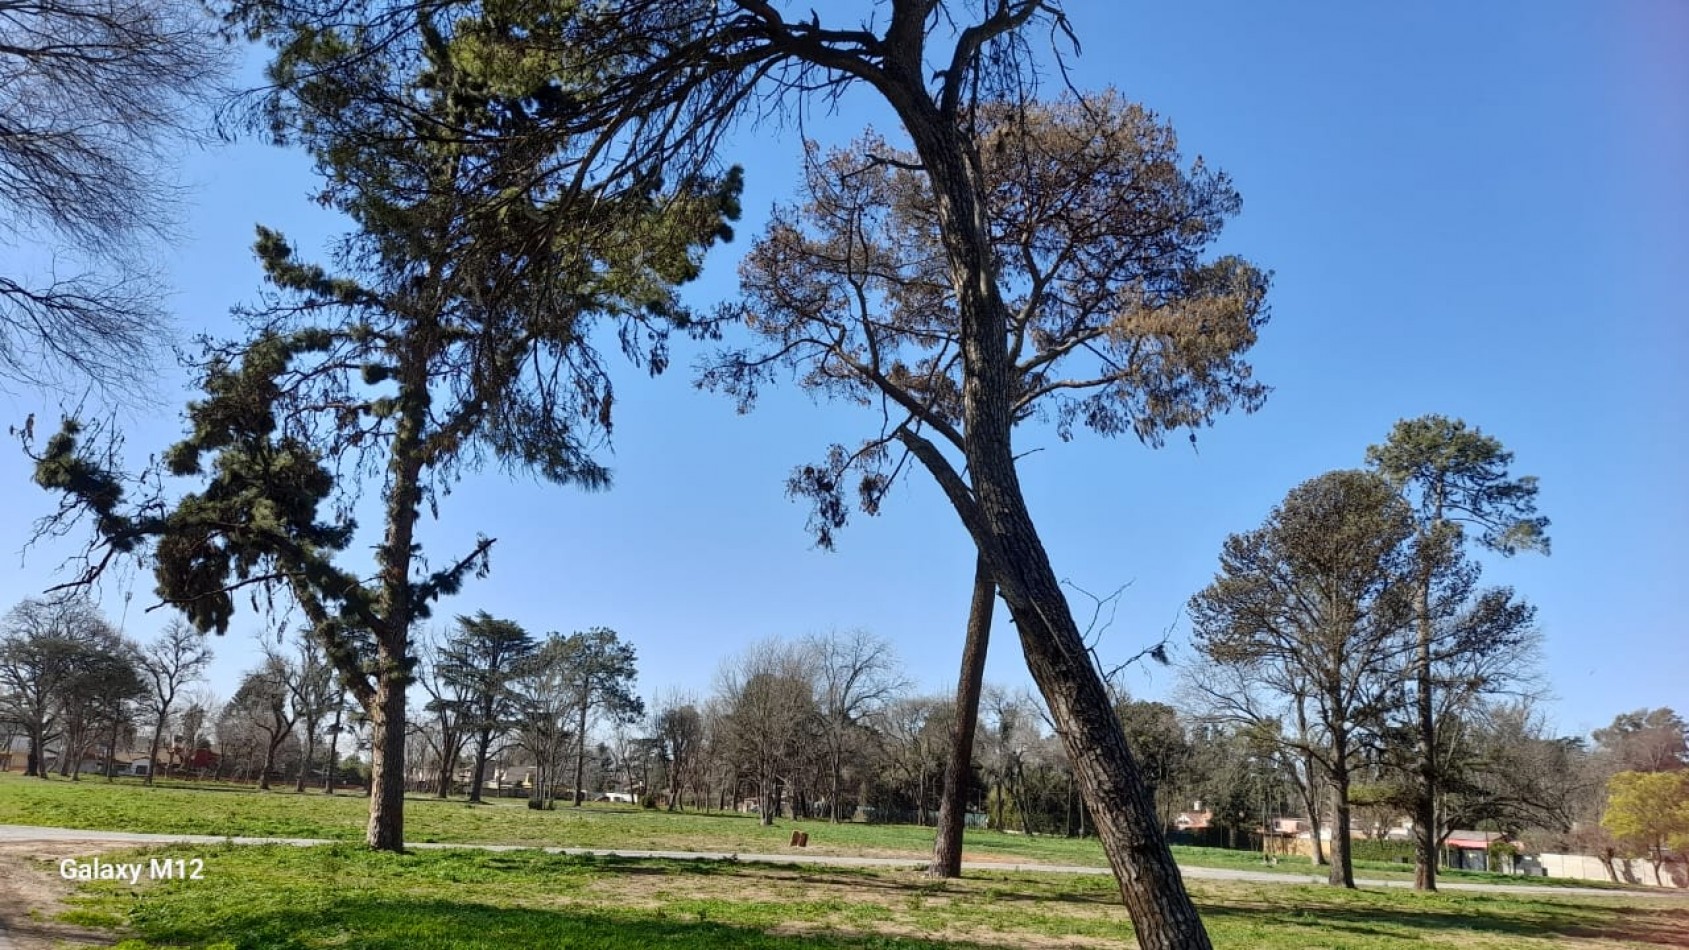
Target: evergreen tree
1457, 480
455, 328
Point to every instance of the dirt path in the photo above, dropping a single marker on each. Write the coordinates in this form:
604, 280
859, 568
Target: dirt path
31, 895
12, 834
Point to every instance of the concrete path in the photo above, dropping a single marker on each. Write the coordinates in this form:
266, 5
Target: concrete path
23, 833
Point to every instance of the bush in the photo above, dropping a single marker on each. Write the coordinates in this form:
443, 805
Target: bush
1395, 852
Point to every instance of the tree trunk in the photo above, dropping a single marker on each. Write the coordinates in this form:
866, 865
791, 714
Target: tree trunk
386, 829
1342, 873
996, 515
1020, 799
111, 753
1425, 788
1309, 792
37, 746
536, 783
269, 762
395, 556
333, 769
448, 765
152, 750
958, 773
836, 777
482, 741
305, 766
1108, 776
765, 801
580, 755
1314, 833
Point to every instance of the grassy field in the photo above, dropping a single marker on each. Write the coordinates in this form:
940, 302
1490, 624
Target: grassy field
243, 812
337, 896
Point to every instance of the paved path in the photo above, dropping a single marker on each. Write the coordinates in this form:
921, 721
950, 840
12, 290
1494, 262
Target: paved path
21, 833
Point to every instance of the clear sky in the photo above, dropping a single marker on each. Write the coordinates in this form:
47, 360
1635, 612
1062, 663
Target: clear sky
1476, 210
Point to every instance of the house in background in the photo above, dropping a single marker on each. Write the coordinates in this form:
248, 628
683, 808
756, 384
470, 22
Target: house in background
1197, 819
1470, 850
14, 753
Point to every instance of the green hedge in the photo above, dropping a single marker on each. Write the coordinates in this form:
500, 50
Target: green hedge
1395, 852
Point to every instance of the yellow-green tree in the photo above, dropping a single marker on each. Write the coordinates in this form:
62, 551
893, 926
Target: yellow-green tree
1648, 814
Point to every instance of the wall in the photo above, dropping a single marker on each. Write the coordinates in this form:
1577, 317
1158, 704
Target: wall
1636, 871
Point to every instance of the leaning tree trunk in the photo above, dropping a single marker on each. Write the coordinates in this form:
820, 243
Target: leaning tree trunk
1121, 805
1310, 794
958, 773
1150, 885
1314, 825
996, 515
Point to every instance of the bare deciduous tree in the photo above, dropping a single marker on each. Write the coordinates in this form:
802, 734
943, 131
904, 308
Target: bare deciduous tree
168, 664
42, 645
314, 692
546, 686
97, 98
264, 704
855, 676
677, 729
771, 717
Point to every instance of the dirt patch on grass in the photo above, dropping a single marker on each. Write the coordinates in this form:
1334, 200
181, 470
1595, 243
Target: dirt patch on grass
32, 895
885, 904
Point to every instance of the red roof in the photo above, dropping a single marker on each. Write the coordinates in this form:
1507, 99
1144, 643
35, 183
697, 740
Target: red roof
1472, 839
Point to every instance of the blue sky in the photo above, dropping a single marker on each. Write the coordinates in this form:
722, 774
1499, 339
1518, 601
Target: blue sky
1476, 210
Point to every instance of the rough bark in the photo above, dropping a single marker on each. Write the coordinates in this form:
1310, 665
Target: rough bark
477, 780
387, 755
996, 515
1342, 873
386, 830
958, 774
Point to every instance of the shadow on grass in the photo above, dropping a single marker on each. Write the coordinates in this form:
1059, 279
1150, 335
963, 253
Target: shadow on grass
1660, 926
376, 924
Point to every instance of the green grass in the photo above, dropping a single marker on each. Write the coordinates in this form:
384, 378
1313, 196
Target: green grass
242, 812
258, 898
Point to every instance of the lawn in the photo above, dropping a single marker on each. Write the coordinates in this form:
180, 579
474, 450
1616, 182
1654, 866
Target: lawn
242, 812
341, 895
